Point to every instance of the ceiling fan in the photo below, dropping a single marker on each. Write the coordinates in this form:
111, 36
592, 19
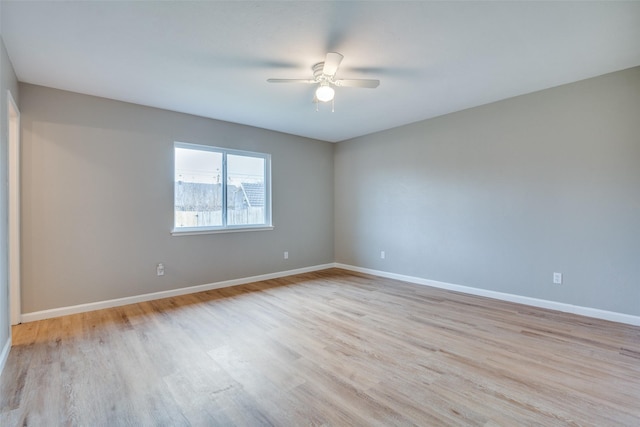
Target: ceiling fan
324, 76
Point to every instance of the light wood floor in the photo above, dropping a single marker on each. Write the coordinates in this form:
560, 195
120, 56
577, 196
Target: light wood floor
326, 348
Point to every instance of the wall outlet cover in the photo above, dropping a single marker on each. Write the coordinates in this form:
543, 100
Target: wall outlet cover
557, 278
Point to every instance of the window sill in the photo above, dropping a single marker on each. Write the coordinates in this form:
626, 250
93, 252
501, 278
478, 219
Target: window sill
203, 230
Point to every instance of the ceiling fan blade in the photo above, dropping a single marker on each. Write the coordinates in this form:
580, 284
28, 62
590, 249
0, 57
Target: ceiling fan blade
357, 83
331, 63
307, 81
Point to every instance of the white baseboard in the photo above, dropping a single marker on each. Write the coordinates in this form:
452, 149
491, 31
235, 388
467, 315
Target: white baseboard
5, 354
535, 302
63, 311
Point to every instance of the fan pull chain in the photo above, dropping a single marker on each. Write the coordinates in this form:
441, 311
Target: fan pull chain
333, 105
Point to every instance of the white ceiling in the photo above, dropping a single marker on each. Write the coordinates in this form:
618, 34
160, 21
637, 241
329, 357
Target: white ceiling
213, 58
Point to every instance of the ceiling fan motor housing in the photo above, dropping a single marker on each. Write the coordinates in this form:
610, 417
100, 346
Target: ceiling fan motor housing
317, 72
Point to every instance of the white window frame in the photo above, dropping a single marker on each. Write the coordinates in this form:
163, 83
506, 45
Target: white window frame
268, 225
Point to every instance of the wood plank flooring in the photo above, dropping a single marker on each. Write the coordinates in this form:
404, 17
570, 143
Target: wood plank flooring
331, 348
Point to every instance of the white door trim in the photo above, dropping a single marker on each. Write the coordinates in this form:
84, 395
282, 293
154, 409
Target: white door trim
13, 164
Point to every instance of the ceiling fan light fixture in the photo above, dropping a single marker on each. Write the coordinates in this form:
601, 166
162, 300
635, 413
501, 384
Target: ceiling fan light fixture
325, 93
324, 77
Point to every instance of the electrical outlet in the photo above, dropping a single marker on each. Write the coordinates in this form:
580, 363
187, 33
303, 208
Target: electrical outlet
382, 255
557, 278
160, 269
286, 255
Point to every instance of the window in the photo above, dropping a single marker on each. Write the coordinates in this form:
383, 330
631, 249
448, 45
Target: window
218, 189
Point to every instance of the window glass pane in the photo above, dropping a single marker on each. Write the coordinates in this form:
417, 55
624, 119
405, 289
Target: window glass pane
198, 188
245, 190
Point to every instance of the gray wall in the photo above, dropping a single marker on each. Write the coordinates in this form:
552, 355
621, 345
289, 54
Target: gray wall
501, 196
8, 81
496, 197
97, 201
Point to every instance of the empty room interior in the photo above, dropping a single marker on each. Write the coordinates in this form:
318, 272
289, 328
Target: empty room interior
337, 213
